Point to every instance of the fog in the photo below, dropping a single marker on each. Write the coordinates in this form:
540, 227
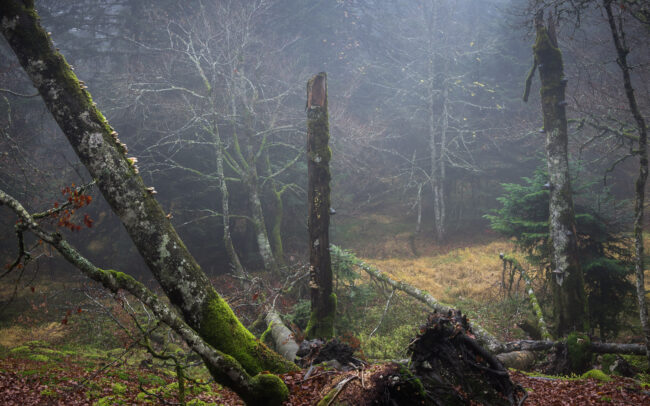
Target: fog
426, 118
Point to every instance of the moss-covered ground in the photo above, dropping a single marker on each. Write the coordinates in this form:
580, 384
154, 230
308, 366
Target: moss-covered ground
61, 341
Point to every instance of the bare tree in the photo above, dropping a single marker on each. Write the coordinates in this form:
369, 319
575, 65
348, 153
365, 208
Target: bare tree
232, 105
117, 178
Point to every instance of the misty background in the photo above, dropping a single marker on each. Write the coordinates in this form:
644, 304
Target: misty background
426, 117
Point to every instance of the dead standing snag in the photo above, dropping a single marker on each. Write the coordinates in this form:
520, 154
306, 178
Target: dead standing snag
323, 299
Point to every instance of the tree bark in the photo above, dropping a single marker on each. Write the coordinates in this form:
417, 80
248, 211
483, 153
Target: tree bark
225, 369
285, 342
237, 267
618, 35
570, 303
117, 178
323, 299
250, 179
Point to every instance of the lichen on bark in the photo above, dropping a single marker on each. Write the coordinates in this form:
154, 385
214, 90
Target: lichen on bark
91, 136
570, 303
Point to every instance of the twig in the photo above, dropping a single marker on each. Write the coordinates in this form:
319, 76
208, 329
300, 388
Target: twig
339, 387
384, 314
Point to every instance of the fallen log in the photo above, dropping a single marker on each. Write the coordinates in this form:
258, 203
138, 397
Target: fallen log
521, 360
617, 348
598, 348
283, 338
485, 338
482, 335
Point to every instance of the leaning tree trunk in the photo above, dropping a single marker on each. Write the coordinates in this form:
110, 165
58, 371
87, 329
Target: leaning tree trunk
323, 299
227, 370
96, 144
639, 189
570, 303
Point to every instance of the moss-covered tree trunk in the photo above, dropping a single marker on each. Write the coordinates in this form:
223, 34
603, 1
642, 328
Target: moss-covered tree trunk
254, 390
117, 178
618, 36
323, 299
570, 303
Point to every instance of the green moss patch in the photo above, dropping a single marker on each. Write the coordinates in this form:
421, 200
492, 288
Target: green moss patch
596, 374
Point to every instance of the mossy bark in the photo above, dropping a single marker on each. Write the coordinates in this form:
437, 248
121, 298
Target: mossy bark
225, 369
323, 300
570, 302
90, 135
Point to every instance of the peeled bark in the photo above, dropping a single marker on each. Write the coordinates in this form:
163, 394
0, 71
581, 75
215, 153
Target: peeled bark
117, 178
639, 187
323, 299
570, 302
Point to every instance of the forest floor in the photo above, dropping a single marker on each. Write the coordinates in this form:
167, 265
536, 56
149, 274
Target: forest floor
59, 343
37, 374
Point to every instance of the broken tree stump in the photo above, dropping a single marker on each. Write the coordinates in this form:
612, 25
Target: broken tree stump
455, 369
323, 299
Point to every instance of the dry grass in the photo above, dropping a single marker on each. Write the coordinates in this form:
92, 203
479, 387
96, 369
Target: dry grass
472, 272
17, 335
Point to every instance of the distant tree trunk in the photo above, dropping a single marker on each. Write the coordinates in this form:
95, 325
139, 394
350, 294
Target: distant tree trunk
418, 224
323, 299
259, 225
178, 273
275, 238
237, 267
250, 179
436, 149
639, 190
570, 303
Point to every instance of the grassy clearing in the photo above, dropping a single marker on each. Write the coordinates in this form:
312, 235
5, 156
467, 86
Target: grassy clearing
461, 273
